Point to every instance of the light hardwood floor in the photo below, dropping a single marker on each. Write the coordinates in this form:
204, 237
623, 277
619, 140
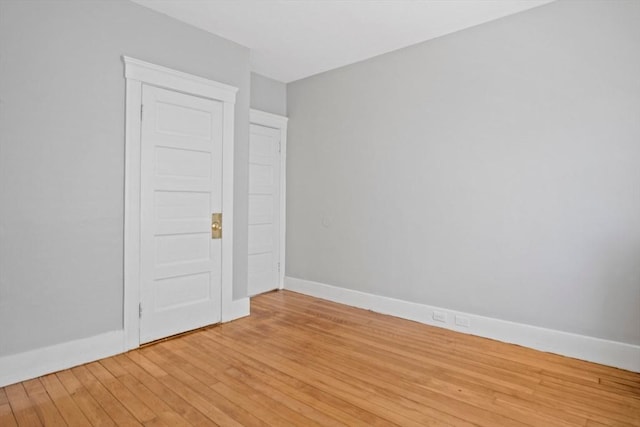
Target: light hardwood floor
303, 361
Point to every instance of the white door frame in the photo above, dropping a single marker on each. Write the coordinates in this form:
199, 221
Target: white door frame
275, 121
137, 73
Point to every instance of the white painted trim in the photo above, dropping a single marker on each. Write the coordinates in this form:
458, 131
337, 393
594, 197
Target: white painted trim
132, 158
227, 312
271, 120
135, 69
137, 73
32, 364
237, 309
612, 353
275, 121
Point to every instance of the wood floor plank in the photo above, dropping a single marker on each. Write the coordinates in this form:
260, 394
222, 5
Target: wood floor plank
6, 415
360, 394
298, 388
112, 406
139, 410
416, 397
87, 404
162, 411
478, 395
230, 369
437, 360
329, 385
169, 396
261, 404
303, 361
22, 407
71, 413
45, 408
411, 346
416, 330
219, 413
293, 404
4, 400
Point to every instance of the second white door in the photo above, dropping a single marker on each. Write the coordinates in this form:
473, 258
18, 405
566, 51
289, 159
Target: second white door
181, 186
264, 209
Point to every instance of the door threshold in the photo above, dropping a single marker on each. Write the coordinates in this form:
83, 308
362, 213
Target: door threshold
181, 334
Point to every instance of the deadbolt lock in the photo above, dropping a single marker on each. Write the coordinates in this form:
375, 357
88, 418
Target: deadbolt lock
216, 226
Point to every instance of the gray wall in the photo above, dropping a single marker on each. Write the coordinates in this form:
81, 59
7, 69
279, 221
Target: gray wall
62, 157
268, 95
493, 171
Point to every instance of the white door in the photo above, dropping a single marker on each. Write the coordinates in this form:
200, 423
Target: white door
181, 186
264, 209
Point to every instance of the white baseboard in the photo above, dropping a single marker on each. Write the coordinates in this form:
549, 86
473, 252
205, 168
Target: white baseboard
31, 364
611, 353
237, 309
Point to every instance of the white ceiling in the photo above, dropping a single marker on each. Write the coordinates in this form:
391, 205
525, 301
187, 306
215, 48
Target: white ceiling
293, 39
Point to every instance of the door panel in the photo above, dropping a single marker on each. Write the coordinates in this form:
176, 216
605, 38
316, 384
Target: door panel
264, 208
181, 177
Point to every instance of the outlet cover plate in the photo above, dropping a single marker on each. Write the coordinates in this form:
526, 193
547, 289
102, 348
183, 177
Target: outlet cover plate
463, 321
440, 316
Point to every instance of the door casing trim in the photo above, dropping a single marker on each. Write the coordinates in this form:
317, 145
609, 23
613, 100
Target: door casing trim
137, 73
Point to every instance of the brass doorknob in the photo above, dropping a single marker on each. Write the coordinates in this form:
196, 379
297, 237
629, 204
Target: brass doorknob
216, 226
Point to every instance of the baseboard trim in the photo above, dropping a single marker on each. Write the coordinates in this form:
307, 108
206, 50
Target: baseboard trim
237, 309
32, 364
611, 353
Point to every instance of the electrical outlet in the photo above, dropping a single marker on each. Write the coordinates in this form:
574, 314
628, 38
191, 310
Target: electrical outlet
463, 321
440, 316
